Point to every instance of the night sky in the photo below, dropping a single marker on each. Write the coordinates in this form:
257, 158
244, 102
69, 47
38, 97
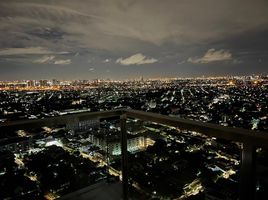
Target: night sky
119, 39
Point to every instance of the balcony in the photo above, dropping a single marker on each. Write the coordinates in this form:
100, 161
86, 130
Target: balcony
249, 142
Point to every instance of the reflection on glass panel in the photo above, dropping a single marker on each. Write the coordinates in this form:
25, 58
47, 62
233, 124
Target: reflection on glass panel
51, 162
262, 174
179, 164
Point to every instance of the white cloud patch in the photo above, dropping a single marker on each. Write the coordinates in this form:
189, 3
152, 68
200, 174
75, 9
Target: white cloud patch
212, 55
62, 52
24, 51
181, 62
50, 59
63, 62
107, 60
137, 59
237, 61
92, 69
45, 59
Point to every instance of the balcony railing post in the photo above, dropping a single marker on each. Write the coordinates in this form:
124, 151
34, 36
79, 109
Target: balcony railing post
247, 172
123, 119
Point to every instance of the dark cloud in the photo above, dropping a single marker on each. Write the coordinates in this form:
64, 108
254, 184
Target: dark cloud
253, 40
171, 32
47, 33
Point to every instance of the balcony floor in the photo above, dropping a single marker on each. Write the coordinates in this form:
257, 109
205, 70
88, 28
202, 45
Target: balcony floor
99, 191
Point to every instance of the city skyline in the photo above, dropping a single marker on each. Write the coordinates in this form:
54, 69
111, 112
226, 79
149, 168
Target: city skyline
131, 39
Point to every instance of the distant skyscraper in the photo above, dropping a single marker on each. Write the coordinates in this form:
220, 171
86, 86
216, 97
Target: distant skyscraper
55, 82
44, 83
31, 83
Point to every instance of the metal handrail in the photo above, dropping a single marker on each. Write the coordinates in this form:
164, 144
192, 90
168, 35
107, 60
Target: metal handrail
256, 138
249, 139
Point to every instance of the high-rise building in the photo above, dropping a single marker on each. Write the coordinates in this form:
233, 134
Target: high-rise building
44, 83
55, 82
31, 83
